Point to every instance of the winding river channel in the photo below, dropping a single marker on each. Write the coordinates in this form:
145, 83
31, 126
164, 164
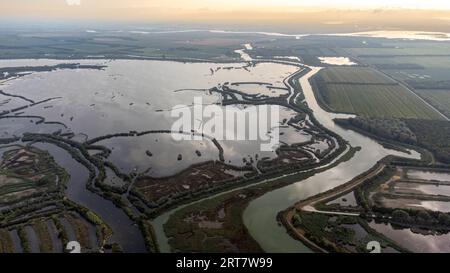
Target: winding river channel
260, 215
126, 233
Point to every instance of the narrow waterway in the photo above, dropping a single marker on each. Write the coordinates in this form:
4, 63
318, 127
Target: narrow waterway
260, 215
126, 233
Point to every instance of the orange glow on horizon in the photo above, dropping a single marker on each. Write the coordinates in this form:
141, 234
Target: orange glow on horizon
203, 10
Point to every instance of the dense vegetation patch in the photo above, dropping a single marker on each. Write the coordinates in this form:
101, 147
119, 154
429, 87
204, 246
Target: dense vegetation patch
432, 135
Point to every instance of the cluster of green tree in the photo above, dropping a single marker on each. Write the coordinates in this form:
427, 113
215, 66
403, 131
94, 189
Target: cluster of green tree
433, 135
103, 231
149, 235
330, 235
62, 233
421, 218
314, 223
45, 167
362, 192
394, 129
19, 216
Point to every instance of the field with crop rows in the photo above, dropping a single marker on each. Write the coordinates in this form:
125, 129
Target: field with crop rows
367, 92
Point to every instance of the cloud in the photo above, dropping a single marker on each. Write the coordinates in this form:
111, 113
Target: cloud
73, 2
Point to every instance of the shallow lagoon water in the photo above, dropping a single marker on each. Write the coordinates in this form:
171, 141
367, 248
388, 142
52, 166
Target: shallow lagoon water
130, 153
125, 232
128, 96
432, 189
33, 239
437, 176
131, 95
16, 241
435, 205
261, 89
116, 100
347, 200
414, 241
337, 61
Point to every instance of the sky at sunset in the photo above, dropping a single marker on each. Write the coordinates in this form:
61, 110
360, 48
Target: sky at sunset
222, 4
268, 11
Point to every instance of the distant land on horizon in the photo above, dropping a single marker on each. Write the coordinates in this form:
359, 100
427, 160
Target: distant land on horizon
293, 22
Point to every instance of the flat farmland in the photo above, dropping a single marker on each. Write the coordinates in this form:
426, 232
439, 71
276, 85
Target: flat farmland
426, 61
417, 68
367, 92
424, 66
354, 75
398, 48
439, 98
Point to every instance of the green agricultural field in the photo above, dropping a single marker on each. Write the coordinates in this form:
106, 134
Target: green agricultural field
367, 92
404, 60
427, 61
413, 68
400, 48
423, 66
75, 44
378, 101
438, 98
362, 75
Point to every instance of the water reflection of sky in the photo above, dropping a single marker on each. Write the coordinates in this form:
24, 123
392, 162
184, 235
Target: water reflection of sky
136, 95
418, 174
129, 153
116, 99
414, 241
260, 214
432, 189
436, 205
